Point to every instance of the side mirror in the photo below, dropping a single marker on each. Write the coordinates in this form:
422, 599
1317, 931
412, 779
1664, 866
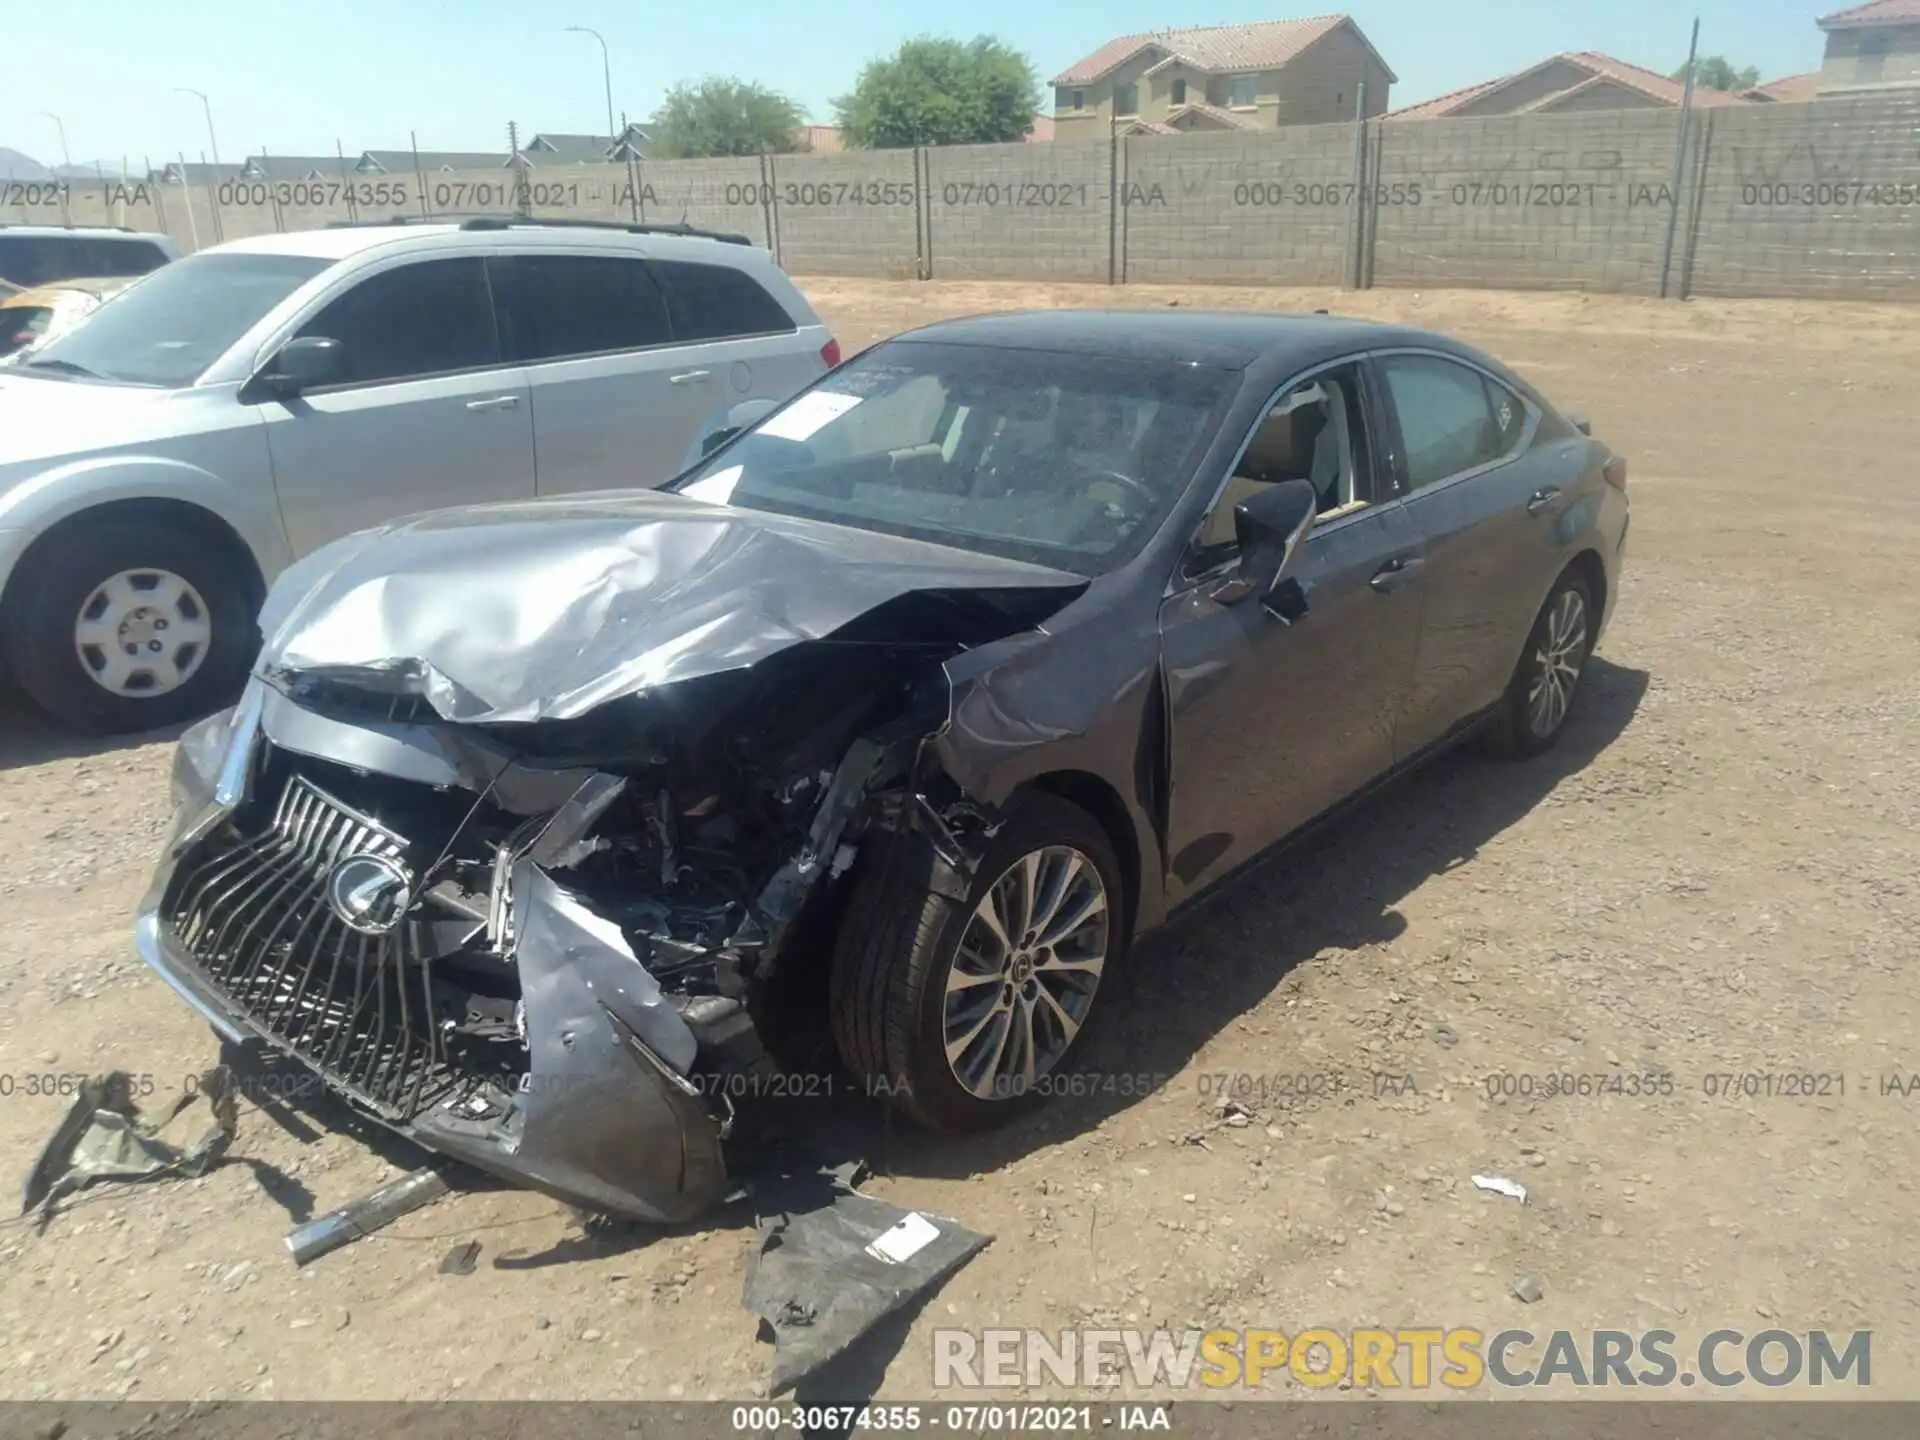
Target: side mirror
1269, 526
304, 364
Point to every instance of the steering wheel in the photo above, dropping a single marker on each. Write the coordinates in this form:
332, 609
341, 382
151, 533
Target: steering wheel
1138, 488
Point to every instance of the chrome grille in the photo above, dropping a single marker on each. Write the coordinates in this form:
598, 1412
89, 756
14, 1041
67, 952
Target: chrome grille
360, 1008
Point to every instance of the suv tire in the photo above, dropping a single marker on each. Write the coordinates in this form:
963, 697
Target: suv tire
156, 603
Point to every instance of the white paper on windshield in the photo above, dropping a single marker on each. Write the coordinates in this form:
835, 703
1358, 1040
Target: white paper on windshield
717, 488
807, 414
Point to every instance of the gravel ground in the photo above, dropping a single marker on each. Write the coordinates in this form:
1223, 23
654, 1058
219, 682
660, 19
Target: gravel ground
1715, 874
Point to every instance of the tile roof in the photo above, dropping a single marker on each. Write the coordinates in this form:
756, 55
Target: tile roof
1635, 77
402, 161
1788, 88
1879, 12
568, 149
1212, 112
295, 167
1215, 49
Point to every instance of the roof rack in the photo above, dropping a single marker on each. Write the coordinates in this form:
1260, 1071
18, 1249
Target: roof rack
61, 225
509, 222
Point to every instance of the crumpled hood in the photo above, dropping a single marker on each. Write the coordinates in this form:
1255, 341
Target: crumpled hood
543, 610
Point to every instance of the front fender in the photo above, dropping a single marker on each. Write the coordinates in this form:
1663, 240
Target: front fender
60, 491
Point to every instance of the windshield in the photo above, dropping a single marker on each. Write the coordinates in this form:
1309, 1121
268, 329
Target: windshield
170, 326
1060, 459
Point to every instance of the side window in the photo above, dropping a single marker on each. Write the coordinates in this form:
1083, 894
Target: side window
121, 257
1448, 421
1509, 417
418, 320
1315, 432
717, 302
29, 260
559, 305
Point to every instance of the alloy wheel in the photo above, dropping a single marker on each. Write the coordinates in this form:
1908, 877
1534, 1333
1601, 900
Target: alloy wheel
1025, 972
1557, 663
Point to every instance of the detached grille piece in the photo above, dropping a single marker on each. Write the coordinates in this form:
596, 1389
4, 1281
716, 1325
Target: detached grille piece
254, 913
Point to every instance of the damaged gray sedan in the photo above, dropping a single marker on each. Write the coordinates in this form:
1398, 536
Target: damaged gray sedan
540, 826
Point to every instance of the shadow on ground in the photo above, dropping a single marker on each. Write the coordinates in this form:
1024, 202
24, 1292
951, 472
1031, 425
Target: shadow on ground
28, 738
1336, 889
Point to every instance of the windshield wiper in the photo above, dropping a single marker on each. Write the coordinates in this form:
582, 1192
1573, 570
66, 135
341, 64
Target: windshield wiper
65, 367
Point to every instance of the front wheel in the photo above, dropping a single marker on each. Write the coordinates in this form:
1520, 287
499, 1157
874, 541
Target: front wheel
122, 625
966, 1015
1540, 696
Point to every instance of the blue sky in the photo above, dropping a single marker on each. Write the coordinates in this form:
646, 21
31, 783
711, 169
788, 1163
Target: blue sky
296, 77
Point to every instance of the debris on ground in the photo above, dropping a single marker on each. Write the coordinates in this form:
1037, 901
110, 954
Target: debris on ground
362, 1217
1529, 1288
105, 1137
461, 1259
834, 1263
1500, 1185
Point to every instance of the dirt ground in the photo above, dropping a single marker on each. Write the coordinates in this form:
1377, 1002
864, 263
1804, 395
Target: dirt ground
1717, 873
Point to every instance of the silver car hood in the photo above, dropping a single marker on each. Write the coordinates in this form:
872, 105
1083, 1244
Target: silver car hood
544, 610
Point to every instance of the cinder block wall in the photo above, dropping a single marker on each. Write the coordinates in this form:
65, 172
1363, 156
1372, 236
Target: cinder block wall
1817, 200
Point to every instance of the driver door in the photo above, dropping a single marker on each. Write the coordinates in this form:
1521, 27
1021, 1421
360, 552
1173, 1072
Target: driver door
1276, 721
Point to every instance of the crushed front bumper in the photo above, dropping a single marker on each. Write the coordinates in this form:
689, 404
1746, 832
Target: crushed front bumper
603, 1113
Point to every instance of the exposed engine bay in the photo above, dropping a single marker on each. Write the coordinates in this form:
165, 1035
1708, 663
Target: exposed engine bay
545, 946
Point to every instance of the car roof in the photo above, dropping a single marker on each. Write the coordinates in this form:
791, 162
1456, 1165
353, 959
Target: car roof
90, 232
1227, 339
345, 241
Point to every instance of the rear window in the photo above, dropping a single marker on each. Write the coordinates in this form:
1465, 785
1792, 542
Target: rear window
717, 302
29, 260
106, 257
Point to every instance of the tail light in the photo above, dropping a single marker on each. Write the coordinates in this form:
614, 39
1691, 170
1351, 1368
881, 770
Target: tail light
830, 353
1615, 472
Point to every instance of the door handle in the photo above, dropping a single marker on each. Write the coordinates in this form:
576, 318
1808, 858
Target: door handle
1401, 570
1542, 498
689, 377
498, 402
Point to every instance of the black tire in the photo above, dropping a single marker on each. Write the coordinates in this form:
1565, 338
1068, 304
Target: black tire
60, 575
1514, 732
896, 946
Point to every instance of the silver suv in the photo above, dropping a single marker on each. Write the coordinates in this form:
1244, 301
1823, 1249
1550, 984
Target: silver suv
162, 463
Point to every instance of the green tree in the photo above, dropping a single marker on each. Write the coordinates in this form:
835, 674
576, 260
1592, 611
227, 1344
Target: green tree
1716, 72
936, 91
718, 116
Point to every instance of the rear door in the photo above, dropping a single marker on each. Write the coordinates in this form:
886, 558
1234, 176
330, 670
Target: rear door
613, 407
1486, 505
629, 358
748, 342
431, 415
1273, 722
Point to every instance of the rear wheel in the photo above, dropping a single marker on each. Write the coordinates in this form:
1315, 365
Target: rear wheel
126, 625
1540, 697
964, 1014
